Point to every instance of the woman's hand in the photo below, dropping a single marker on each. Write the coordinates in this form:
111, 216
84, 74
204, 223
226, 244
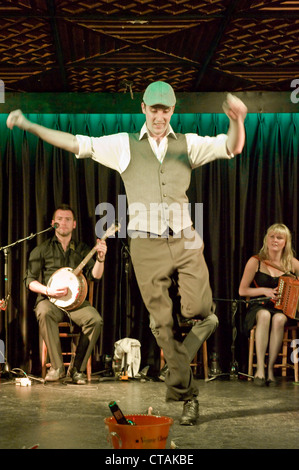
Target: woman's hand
272, 293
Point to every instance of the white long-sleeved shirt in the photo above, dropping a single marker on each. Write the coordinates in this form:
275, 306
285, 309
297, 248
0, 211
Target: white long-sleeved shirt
113, 150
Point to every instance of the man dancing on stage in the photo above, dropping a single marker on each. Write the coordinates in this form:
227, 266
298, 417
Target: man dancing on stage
155, 165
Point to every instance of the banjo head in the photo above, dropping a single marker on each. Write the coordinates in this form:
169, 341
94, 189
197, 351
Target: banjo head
77, 288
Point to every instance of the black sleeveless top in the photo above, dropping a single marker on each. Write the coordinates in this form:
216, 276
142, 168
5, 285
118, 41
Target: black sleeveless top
265, 280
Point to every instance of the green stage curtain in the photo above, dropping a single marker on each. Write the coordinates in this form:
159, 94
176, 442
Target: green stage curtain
241, 198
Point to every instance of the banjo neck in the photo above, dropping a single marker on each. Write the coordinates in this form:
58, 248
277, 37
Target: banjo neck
80, 267
111, 230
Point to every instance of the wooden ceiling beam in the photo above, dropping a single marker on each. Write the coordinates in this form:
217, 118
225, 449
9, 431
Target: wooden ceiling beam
158, 18
57, 43
227, 18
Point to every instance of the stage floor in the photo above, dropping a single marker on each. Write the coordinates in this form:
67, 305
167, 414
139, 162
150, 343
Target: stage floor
234, 414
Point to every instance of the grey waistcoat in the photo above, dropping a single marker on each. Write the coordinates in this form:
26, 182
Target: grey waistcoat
156, 192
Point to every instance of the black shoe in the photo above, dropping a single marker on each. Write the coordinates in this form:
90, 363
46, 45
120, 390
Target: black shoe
190, 413
78, 378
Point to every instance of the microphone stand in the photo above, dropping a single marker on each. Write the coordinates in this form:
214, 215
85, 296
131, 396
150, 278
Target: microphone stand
5, 249
234, 373
126, 255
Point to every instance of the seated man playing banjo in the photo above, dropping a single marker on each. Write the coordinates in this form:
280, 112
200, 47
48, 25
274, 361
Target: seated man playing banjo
62, 290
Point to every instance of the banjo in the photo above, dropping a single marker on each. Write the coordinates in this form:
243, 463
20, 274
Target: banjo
74, 279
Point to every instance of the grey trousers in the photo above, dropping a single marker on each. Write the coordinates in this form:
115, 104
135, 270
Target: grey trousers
155, 260
86, 317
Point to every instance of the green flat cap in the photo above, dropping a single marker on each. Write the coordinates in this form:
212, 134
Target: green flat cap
159, 93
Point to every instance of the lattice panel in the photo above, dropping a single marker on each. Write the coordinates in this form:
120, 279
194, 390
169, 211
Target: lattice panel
112, 79
276, 5
268, 42
23, 6
142, 7
249, 48
26, 42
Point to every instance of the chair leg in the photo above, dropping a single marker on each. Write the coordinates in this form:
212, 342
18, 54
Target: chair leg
250, 353
195, 362
162, 360
205, 359
284, 353
44, 359
295, 354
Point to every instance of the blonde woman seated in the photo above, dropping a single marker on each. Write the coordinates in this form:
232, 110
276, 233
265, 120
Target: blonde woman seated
260, 278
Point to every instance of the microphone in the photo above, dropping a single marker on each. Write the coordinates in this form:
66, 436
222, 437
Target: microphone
56, 225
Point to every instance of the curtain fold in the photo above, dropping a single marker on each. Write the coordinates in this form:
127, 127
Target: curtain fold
241, 198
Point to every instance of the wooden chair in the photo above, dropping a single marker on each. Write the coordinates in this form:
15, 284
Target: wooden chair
289, 346
72, 332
